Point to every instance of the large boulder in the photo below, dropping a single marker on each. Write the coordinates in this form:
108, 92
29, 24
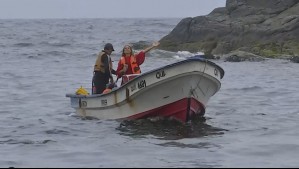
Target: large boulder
264, 27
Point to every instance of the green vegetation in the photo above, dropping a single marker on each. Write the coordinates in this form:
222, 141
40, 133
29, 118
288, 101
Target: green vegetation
275, 50
268, 50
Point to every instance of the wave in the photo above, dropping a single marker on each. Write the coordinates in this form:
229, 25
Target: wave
56, 53
253, 88
168, 128
24, 44
56, 44
185, 54
14, 141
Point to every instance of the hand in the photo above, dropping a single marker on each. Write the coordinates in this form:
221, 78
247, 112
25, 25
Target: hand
155, 44
125, 68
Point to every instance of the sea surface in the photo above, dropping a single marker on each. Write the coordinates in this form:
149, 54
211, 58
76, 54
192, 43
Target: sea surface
253, 121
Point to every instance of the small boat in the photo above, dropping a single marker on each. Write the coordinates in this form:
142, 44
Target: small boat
179, 90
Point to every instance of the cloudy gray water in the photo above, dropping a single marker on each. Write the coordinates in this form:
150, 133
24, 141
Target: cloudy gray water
252, 121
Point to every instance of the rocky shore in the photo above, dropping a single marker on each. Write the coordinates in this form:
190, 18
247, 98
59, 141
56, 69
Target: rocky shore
243, 30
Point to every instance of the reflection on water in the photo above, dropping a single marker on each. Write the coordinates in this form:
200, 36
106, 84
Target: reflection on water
168, 129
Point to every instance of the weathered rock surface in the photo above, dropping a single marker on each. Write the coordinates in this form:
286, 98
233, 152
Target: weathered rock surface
268, 28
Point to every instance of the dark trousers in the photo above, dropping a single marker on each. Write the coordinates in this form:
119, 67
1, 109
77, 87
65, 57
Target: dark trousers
99, 82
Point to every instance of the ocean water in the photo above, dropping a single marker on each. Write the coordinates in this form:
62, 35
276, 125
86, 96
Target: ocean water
252, 121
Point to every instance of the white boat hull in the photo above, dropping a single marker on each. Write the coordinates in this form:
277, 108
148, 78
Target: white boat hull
179, 90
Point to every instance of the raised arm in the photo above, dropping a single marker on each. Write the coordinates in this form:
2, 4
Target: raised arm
155, 44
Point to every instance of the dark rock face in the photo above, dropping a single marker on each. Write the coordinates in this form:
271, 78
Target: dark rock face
295, 59
264, 27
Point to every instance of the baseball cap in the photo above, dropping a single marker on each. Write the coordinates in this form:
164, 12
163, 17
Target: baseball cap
109, 46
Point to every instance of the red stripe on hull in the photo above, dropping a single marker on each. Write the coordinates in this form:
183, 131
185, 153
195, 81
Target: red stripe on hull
177, 110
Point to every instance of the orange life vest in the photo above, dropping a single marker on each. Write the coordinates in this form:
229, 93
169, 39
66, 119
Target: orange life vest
134, 66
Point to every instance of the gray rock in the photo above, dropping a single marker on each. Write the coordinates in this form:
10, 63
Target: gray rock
239, 56
269, 28
295, 59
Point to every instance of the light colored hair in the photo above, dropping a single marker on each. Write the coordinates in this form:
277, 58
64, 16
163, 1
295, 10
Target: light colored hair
130, 46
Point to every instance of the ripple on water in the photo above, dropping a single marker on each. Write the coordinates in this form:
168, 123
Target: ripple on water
168, 129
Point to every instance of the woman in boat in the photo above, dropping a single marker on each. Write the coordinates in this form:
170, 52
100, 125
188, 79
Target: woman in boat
103, 70
130, 63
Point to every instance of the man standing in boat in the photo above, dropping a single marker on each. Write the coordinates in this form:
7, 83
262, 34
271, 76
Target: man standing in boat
103, 70
130, 63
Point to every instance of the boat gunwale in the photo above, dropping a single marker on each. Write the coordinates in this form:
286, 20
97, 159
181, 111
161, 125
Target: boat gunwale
194, 58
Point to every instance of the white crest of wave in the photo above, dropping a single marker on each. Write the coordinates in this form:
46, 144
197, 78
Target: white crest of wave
185, 54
